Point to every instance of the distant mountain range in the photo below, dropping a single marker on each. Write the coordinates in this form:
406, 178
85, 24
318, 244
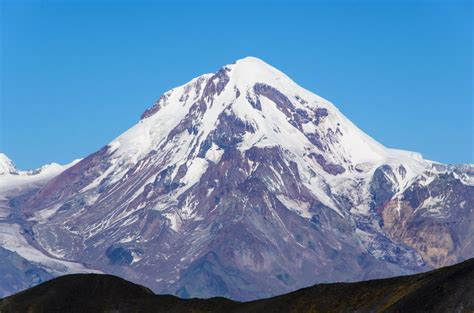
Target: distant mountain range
450, 289
239, 184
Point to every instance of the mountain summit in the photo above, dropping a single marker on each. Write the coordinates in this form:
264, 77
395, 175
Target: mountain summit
245, 185
6, 165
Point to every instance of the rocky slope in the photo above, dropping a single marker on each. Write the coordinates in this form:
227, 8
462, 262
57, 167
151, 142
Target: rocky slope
23, 263
18, 273
449, 289
245, 185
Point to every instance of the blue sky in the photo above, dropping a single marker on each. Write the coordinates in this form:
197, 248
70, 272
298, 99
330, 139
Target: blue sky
75, 74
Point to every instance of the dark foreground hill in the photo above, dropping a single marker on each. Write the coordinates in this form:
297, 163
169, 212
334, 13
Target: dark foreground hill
449, 289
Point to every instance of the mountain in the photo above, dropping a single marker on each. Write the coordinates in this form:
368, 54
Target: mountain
6, 165
23, 262
18, 273
16, 182
450, 289
245, 185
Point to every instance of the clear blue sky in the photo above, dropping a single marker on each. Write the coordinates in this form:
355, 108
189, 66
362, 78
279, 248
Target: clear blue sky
75, 74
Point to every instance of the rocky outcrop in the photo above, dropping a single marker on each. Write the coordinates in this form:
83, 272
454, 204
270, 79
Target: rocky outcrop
434, 218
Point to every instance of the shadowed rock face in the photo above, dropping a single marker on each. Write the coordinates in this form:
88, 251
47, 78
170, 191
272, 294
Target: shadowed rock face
330, 168
449, 289
282, 102
18, 273
244, 185
383, 186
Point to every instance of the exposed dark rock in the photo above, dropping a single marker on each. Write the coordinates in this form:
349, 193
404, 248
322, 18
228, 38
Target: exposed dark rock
205, 146
212, 87
415, 195
164, 183
315, 139
230, 131
254, 103
402, 171
300, 100
119, 255
302, 116
282, 102
155, 108
382, 186
330, 168
237, 93
320, 113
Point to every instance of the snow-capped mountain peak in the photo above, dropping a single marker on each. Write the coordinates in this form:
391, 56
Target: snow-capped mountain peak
6, 165
243, 171
15, 180
272, 110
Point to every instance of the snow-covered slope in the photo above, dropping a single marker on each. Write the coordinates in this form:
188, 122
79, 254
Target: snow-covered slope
244, 184
272, 125
25, 264
13, 180
6, 165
